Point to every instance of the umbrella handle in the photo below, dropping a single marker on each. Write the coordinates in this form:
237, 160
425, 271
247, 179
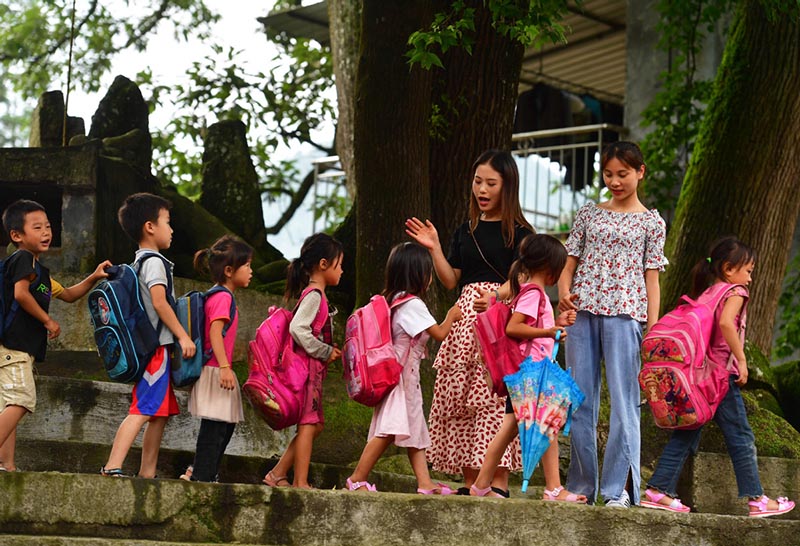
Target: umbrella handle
555, 347
524, 487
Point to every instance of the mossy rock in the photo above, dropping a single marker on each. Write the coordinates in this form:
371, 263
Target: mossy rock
273, 271
787, 379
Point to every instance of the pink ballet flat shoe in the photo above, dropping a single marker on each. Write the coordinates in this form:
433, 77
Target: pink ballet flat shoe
784, 506
440, 489
654, 501
553, 496
355, 486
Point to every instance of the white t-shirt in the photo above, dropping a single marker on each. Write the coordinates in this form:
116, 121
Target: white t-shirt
152, 272
411, 318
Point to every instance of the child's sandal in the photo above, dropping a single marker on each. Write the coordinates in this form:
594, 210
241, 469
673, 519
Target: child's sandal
761, 511
187, 475
654, 499
440, 489
112, 472
272, 480
571, 497
355, 486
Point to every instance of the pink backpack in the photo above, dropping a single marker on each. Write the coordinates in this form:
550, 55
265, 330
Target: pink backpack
683, 387
276, 383
371, 368
501, 354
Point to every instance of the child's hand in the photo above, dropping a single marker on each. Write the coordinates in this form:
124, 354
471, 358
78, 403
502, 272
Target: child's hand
336, 354
742, 379
226, 378
567, 318
187, 346
100, 270
53, 328
551, 332
568, 303
481, 303
454, 314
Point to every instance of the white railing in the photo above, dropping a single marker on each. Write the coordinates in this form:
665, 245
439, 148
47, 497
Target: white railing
559, 172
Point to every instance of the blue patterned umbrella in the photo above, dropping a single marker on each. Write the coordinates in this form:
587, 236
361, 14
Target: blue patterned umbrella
543, 397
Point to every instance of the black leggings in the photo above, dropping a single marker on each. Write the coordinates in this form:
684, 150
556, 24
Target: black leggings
211, 443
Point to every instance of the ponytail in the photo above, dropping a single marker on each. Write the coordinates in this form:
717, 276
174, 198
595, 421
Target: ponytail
728, 251
297, 276
317, 247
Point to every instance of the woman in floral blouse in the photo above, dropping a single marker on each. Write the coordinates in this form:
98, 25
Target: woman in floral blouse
616, 251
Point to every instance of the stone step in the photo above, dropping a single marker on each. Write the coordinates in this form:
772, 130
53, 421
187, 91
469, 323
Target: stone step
90, 411
50, 504
38, 540
87, 458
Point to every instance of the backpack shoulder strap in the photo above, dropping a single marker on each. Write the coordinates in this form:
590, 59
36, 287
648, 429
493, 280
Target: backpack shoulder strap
527, 288
318, 323
401, 300
137, 266
216, 290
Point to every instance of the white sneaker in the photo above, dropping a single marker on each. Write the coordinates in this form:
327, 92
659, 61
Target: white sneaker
624, 501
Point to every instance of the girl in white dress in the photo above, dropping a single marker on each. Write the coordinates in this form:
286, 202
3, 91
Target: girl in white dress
399, 418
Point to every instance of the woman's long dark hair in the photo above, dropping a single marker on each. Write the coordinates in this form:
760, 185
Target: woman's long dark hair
510, 210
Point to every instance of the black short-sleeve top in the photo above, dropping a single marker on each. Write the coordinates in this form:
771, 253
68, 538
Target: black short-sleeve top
464, 254
26, 333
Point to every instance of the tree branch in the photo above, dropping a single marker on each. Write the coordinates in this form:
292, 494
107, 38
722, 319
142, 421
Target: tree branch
297, 200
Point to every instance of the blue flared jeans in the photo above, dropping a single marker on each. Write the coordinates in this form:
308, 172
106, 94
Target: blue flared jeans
616, 340
731, 417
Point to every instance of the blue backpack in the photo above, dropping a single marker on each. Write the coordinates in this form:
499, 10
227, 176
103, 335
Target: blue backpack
8, 304
190, 310
125, 338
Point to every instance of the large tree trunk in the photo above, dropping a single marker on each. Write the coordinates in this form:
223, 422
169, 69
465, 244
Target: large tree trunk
345, 32
743, 176
390, 136
476, 95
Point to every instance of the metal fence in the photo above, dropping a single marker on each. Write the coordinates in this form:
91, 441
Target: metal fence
559, 172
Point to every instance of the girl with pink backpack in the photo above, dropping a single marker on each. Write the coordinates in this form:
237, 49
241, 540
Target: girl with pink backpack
319, 266
399, 417
730, 261
533, 325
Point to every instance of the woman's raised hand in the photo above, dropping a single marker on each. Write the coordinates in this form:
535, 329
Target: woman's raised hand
423, 233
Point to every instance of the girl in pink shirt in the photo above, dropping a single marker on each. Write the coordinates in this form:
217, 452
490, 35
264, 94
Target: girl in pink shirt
215, 397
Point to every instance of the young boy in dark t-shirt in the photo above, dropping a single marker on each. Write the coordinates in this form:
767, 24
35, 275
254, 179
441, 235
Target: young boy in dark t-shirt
28, 289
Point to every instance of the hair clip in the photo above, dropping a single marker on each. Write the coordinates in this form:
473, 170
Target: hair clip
708, 259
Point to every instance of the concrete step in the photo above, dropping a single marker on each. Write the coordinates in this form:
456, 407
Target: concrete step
37, 540
52, 504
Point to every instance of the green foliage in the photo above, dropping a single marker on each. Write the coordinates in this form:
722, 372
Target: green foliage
529, 22
34, 42
281, 106
788, 340
289, 100
676, 112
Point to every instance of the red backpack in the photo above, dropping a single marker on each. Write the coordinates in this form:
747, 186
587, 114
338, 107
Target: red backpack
371, 368
681, 385
276, 383
501, 354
